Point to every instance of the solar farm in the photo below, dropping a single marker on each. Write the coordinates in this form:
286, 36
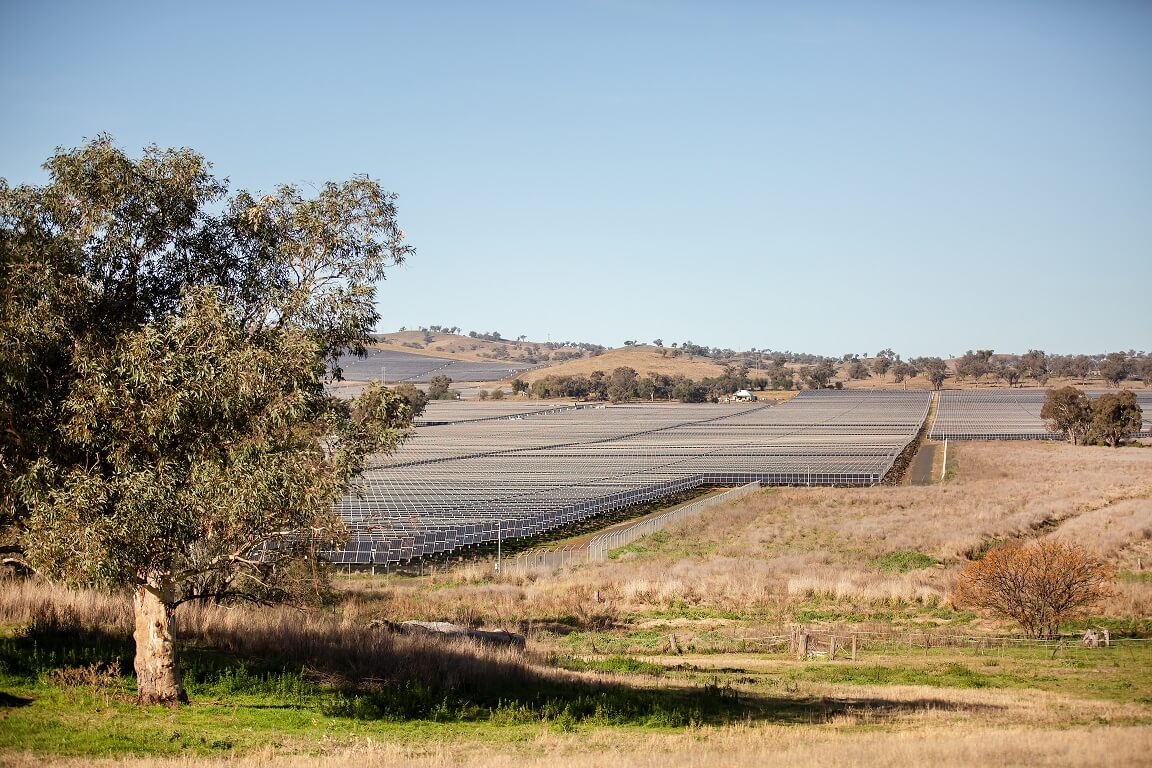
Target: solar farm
394, 367
470, 475
1005, 414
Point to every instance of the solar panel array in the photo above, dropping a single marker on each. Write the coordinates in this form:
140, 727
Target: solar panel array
441, 412
396, 367
470, 482
1005, 414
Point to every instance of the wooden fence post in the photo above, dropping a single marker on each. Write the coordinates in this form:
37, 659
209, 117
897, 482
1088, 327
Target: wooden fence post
832, 649
802, 651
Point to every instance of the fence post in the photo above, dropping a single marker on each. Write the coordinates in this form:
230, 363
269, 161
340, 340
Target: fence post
802, 652
832, 649
853, 647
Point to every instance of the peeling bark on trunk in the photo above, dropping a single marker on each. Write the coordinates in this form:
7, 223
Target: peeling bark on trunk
157, 677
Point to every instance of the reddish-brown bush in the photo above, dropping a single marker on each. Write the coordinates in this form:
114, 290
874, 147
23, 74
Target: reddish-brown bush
1040, 585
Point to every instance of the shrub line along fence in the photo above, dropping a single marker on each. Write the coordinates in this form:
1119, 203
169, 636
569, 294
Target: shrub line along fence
599, 546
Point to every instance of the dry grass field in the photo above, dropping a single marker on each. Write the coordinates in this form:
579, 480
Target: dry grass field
643, 358
457, 347
602, 683
765, 552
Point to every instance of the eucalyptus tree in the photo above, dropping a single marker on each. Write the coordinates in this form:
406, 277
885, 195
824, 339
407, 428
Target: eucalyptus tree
1069, 411
1115, 415
164, 346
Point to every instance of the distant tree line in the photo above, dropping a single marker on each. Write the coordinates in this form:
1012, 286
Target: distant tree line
820, 371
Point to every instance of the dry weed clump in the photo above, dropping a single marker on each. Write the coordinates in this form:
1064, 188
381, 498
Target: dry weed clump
869, 588
31, 601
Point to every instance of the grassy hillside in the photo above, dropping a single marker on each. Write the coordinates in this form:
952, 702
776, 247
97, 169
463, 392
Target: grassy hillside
457, 347
642, 358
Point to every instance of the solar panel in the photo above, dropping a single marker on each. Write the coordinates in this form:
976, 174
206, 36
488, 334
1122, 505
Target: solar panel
480, 477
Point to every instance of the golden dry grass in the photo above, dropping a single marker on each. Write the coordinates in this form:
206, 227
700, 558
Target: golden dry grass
846, 743
455, 346
642, 358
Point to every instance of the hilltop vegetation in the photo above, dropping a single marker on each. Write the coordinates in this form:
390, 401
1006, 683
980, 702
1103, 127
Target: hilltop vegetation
774, 370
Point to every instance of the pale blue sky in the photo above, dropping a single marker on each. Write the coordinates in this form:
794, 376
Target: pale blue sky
823, 176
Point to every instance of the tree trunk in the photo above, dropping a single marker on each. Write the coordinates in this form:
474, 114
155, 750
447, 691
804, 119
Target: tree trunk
157, 677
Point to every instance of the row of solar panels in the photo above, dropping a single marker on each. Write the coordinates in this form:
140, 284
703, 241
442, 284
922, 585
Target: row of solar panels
1006, 414
392, 367
471, 482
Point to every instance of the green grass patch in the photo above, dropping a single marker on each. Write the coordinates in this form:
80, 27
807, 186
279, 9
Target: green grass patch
905, 561
619, 664
943, 675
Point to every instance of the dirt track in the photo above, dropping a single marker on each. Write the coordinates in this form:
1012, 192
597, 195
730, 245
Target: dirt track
920, 473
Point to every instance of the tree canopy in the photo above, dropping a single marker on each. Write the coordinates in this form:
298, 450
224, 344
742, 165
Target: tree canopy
164, 347
1067, 410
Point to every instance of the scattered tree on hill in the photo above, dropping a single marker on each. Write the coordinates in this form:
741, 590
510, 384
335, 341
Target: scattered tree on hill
622, 384
438, 388
1069, 411
1115, 415
1143, 370
975, 364
783, 378
818, 376
858, 370
881, 364
688, 391
934, 368
903, 370
1115, 368
1034, 364
1039, 586
518, 386
415, 398
162, 365
1009, 373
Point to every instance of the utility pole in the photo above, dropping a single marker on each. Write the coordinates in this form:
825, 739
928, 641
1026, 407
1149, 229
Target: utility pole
498, 544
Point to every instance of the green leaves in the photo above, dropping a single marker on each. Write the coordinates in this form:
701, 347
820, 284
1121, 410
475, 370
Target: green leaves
162, 368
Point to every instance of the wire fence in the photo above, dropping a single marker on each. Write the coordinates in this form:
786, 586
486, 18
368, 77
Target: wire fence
597, 548
803, 642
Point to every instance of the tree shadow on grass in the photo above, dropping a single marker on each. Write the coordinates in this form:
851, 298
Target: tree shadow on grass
364, 673
8, 700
